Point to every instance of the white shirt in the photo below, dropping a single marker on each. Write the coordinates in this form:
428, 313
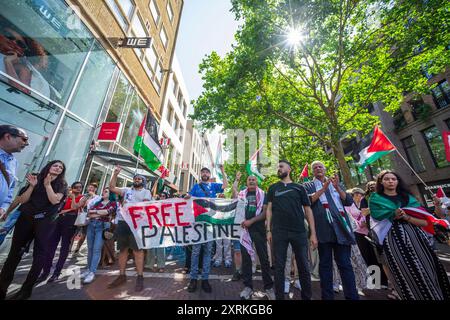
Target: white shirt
132, 195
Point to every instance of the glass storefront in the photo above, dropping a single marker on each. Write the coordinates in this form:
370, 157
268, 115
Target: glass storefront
44, 44
57, 82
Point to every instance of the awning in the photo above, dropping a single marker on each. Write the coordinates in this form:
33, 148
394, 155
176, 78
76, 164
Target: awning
126, 162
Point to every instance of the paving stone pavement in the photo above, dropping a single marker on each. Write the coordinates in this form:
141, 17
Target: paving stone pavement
169, 285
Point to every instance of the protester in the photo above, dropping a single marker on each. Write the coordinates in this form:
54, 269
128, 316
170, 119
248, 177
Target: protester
417, 272
157, 255
254, 226
64, 231
334, 231
125, 237
361, 232
237, 258
204, 189
42, 201
100, 216
91, 196
12, 140
290, 272
288, 205
11, 219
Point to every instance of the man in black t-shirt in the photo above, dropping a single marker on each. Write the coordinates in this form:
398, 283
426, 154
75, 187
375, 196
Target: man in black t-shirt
288, 206
254, 224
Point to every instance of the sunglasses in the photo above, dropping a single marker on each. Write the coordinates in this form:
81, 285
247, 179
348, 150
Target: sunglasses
24, 138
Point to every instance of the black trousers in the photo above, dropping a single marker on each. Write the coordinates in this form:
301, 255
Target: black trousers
27, 229
281, 241
63, 232
368, 254
260, 241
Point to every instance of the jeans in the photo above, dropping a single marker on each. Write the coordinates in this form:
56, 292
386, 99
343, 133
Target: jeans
9, 224
64, 231
95, 243
155, 255
281, 241
342, 254
207, 247
260, 241
27, 229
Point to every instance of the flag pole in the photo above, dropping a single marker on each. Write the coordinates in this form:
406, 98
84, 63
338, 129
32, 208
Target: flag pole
140, 147
414, 171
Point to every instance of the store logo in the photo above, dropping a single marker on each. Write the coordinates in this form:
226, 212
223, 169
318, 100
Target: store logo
134, 42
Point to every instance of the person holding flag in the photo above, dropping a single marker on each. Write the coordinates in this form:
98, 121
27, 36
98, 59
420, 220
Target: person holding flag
125, 237
254, 232
304, 176
399, 223
205, 189
334, 232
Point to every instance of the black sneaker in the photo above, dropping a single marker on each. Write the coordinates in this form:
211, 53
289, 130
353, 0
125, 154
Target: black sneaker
206, 286
192, 285
236, 276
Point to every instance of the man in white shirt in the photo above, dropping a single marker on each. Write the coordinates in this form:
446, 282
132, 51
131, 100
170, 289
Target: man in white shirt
125, 237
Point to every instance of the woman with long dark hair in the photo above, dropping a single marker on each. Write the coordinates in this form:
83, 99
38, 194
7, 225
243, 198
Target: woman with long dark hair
41, 203
64, 232
417, 272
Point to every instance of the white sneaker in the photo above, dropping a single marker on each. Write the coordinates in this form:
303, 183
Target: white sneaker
246, 294
170, 257
287, 285
270, 294
336, 288
297, 284
85, 273
89, 278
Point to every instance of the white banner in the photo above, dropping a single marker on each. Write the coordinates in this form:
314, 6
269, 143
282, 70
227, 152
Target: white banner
180, 222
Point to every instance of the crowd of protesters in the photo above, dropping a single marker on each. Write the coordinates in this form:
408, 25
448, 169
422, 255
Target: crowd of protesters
300, 232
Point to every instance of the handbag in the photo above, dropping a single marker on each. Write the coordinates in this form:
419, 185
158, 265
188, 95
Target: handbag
108, 233
81, 220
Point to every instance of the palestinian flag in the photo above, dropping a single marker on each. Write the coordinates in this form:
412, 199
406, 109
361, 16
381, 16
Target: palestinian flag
215, 211
379, 147
252, 166
304, 176
146, 146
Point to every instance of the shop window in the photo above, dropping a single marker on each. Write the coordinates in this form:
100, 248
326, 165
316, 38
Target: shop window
37, 117
92, 89
119, 100
50, 42
71, 146
137, 112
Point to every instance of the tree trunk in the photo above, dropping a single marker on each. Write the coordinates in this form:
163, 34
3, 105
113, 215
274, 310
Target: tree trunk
345, 171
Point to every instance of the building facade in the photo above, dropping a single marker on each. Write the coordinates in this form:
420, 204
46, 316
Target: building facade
416, 131
196, 155
173, 123
80, 79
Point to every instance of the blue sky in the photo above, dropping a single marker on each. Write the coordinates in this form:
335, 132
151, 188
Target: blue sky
206, 26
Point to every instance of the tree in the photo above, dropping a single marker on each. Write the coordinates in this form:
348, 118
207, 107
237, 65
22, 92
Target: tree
311, 68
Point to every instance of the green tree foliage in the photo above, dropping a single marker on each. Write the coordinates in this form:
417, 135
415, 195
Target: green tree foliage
350, 53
